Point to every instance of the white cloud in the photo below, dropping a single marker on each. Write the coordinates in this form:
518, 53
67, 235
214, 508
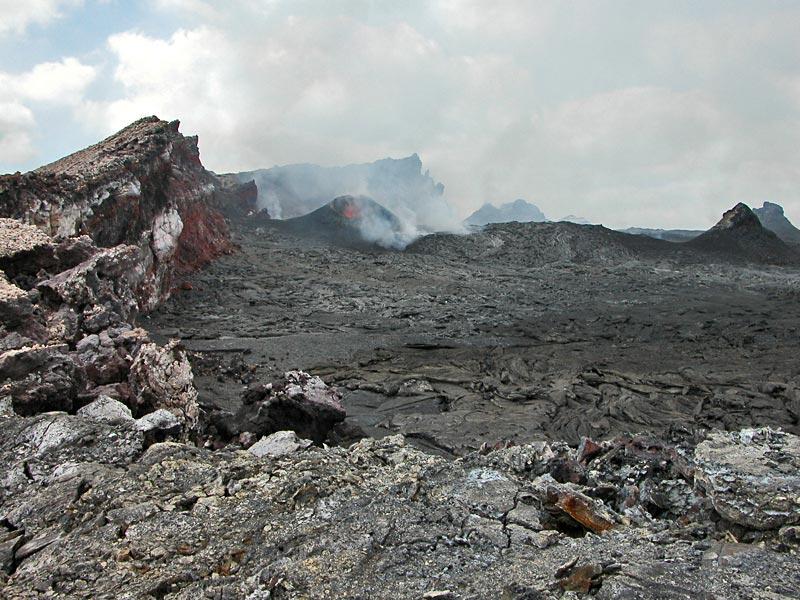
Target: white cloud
664, 117
195, 8
326, 90
17, 15
61, 84
499, 18
16, 123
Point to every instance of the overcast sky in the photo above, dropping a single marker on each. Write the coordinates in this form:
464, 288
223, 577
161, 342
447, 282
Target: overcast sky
624, 112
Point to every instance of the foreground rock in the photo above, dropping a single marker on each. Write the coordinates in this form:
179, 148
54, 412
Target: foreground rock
279, 443
161, 378
86, 513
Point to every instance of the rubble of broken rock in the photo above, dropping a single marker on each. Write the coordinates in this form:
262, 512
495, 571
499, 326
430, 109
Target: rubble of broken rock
88, 511
70, 340
115, 481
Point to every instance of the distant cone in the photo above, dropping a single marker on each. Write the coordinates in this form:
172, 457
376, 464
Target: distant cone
740, 235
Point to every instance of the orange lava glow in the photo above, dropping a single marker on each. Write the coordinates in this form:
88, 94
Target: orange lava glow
350, 212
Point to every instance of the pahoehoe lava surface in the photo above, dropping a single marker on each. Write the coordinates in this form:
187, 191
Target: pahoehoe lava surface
521, 332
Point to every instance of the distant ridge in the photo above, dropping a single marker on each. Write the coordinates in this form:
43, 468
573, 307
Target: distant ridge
575, 219
519, 210
772, 217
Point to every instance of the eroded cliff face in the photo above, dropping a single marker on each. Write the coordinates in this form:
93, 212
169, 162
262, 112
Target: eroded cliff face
144, 186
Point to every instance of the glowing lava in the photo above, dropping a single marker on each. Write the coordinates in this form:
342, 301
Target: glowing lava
350, 211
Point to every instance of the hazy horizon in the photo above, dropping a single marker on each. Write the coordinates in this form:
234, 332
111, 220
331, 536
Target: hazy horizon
626, 113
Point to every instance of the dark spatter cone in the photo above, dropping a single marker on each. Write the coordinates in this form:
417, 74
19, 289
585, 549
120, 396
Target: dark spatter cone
739, 235
772, 217
343, 221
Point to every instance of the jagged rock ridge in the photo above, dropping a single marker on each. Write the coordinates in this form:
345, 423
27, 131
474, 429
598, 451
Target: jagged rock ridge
144, 186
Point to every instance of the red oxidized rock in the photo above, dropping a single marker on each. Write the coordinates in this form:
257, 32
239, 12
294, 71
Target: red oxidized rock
143, 186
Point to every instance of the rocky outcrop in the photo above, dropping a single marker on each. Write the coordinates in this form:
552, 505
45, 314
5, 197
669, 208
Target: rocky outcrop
161, 378
145, 187
773, 218
739, 235
67, 337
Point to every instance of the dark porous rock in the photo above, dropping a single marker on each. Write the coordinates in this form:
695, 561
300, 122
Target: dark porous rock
101, 360
15, 305
24, 249
38, 378
106, 277
299, 402
9, 542
96, 318
14, 341
62, 324
72, 251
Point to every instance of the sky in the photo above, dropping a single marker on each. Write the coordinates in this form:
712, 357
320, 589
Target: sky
627, 113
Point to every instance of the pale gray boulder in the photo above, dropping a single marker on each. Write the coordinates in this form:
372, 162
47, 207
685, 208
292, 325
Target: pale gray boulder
752, 476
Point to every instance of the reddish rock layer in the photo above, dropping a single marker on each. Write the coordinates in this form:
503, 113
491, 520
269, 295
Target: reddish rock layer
143, 186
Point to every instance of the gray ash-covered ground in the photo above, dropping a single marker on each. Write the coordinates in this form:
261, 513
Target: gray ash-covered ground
522, 332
